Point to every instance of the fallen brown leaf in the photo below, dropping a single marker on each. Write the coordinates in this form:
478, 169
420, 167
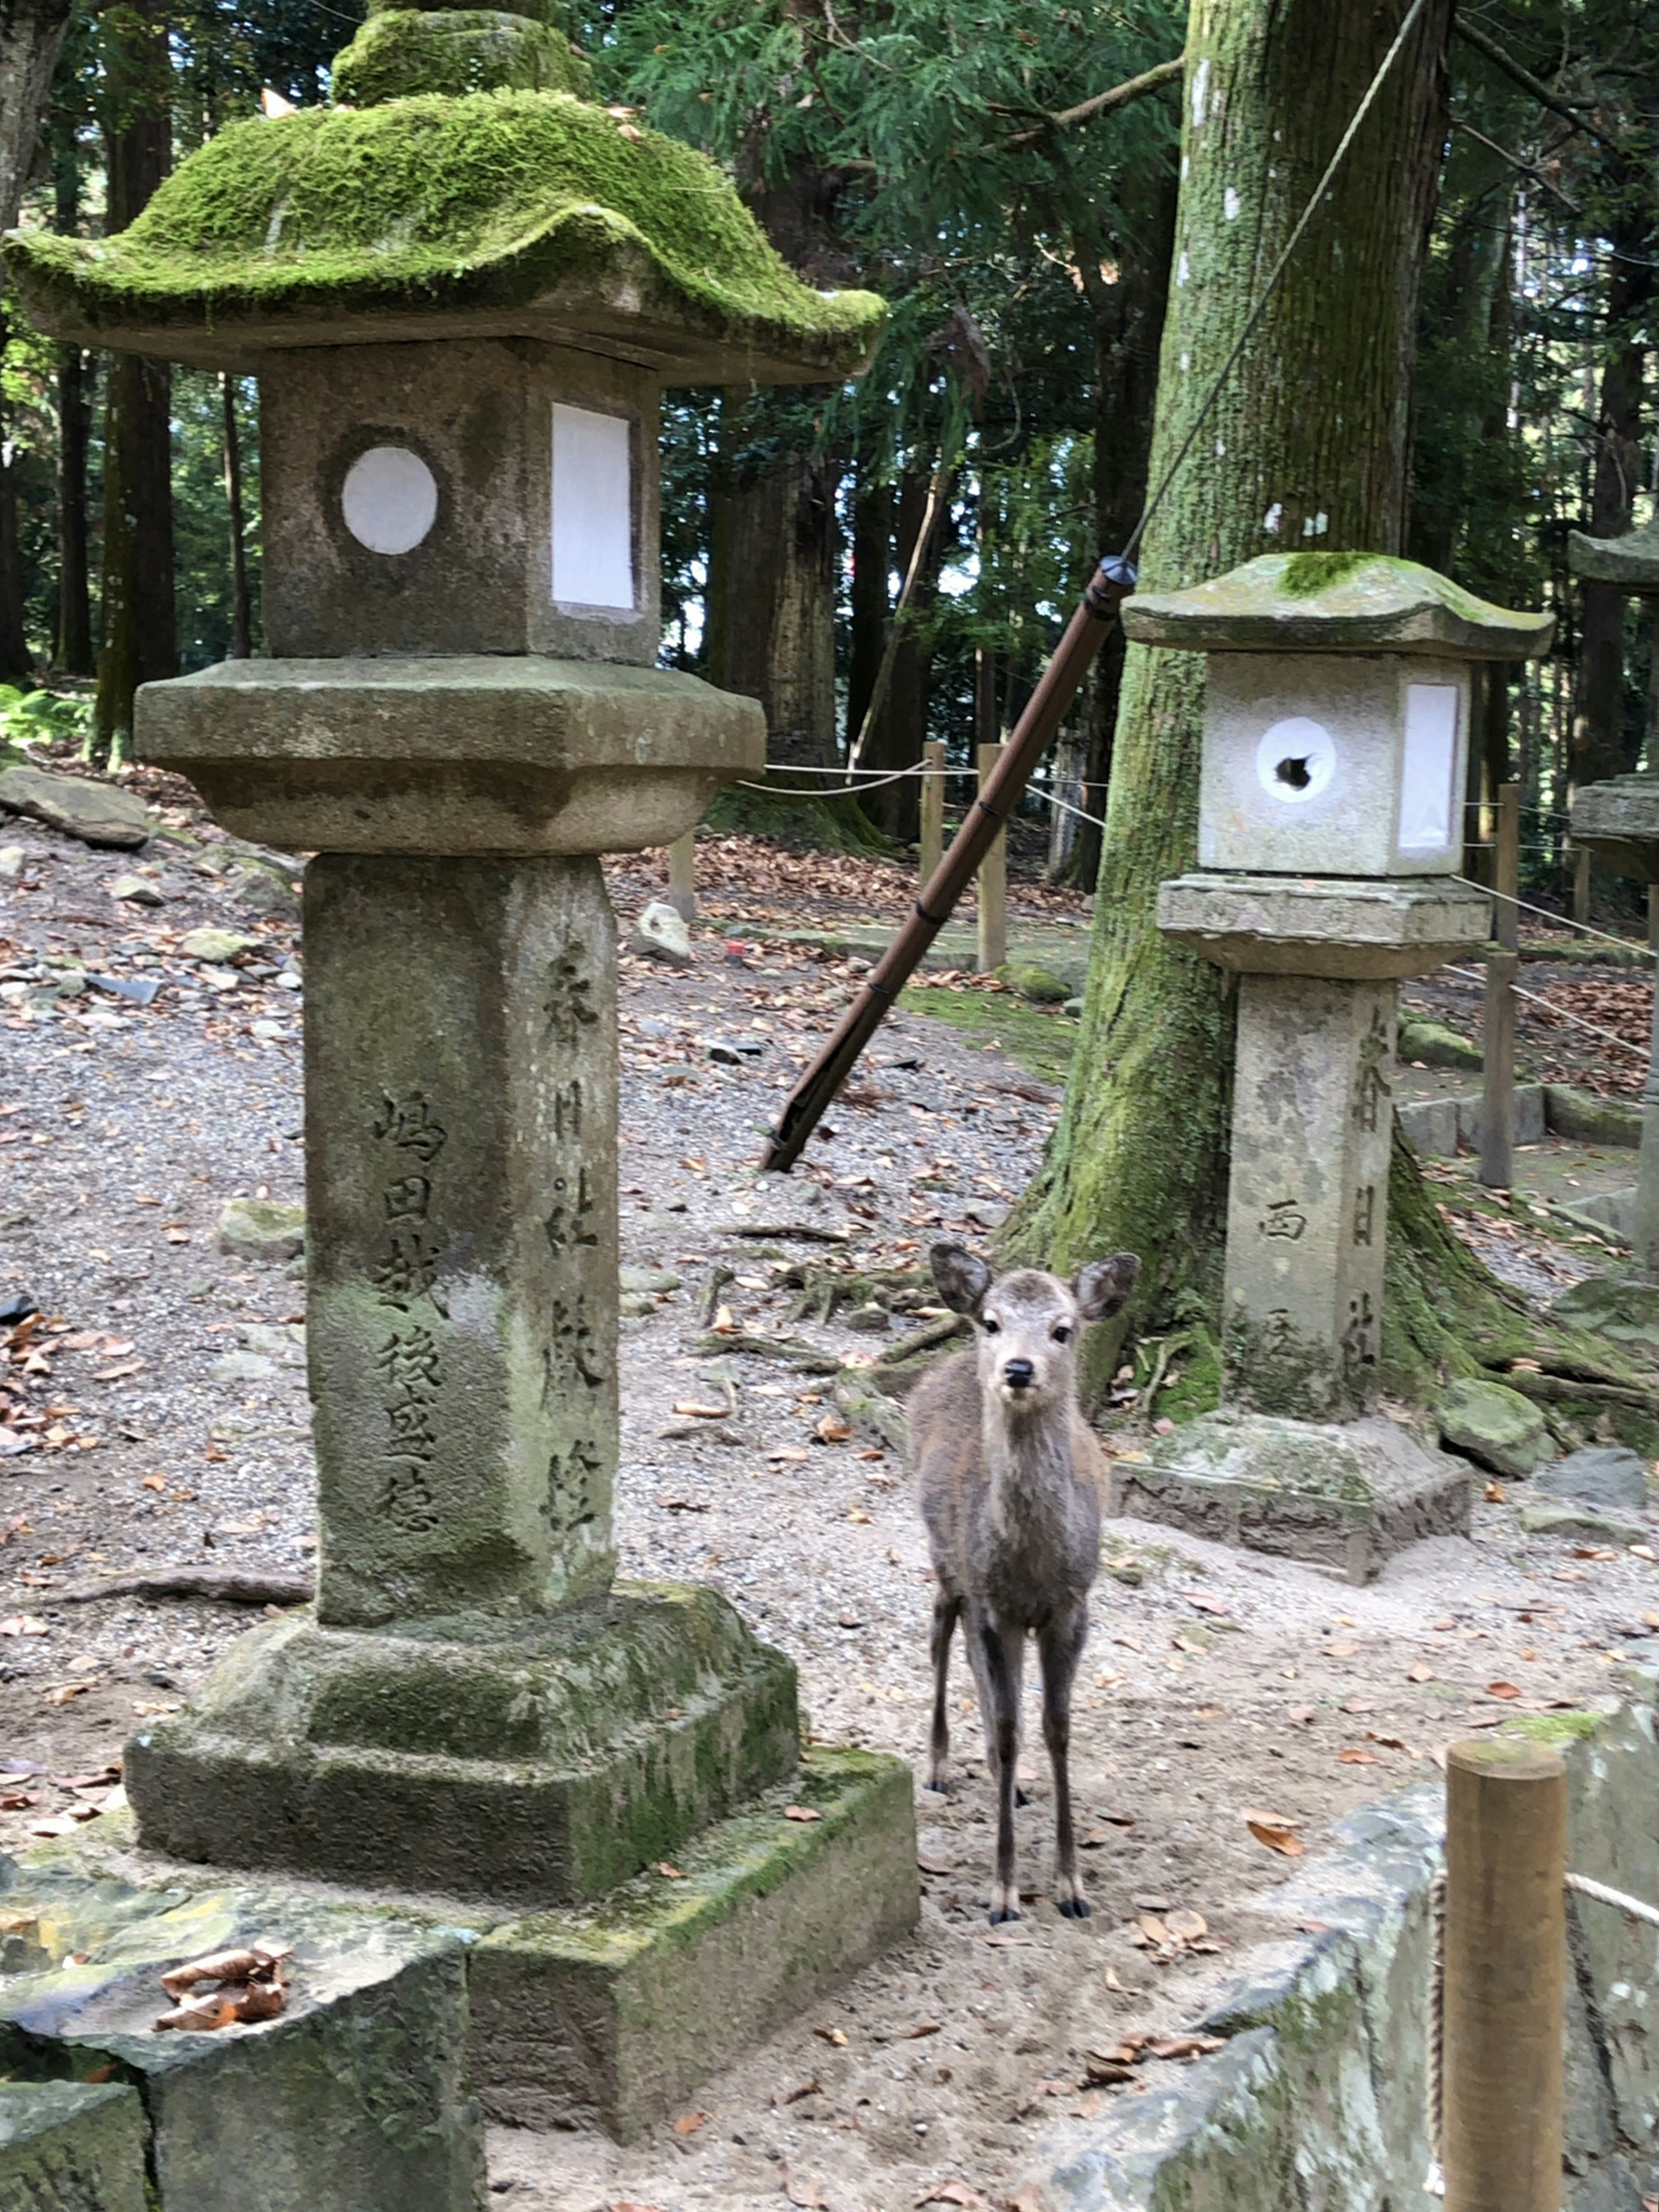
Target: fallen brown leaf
693, 1407
931, 1865
950, 2192
923, 2028
1494, 1493
1353, 1756
801, 1813
669, 1872
1358, 1705
1188, 1925
832, 1429
832, 2035
1186, 2046
1276, 1837
801, 2189
688, 2123
1502, 1690
793, 2092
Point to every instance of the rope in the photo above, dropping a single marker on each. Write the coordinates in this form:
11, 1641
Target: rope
1603, 1895
1565, 920
1561, 1014
1279, 267
1434, 2082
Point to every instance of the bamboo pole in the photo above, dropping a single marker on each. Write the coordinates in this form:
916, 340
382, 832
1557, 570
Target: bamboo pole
1505, 1952
683, 875
1498, 1030
933, 807
993, 879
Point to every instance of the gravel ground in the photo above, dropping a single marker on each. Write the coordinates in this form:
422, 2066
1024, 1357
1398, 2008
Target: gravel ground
173, 1430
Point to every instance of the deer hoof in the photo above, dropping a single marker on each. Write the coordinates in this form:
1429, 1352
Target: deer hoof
938, 1789
1000, 1918
1020, 1798
1074, 1908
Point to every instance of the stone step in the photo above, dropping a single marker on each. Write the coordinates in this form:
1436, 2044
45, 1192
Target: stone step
1437, 1126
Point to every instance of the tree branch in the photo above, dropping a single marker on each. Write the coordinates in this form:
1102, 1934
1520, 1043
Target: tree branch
1103, 102
1527, 82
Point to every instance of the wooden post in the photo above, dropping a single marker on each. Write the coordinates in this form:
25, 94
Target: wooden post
1581, 883
1497, 1032
1505, 1954
1653, 917
683, 875
932, 807
992, 882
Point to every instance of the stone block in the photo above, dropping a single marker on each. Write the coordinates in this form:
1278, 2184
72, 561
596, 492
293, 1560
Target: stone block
261, 1229
1620, 821
610, 2015
1495, 1427
455, 755
536, 1767
352, 2101
1583, 1118
1581, 1523
71, 2147
1601, 1474
97, 813
1323, 925
1626, 1313
1346, 1495
1530, 1120
1430, 1125
661, 933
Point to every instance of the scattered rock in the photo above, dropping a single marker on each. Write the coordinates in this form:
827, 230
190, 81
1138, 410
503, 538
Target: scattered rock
639, 1280
261, 1229
12, 857
139, 990
97, 813
242, 1367
1601, 1474
871, 1319
1625, 1313
1074, 1008
660, 934
1576, 1521
1039, 987
724, 1055
137, 891
262, 889
634, 1305
215, 945
283, 1341
17, 1305
1494, 1426
1437, 1045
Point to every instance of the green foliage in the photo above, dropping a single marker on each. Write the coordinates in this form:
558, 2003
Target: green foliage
35, 718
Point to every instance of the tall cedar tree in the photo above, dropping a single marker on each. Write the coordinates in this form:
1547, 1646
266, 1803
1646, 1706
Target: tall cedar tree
139, 643
1306, 448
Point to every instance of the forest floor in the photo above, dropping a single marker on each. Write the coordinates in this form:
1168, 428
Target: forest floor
1216, 1685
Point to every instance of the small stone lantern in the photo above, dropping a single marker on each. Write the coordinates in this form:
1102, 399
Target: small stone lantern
462, 297
1330, 834
1619, 820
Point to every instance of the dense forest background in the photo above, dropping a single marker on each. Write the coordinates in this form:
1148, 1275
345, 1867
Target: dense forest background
1005, 174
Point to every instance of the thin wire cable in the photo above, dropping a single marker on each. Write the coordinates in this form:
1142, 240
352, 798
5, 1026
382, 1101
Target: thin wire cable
1279, 267
1564, 920
1608, 1036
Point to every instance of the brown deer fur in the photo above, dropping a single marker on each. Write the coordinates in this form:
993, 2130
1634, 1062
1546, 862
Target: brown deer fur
1008, 1473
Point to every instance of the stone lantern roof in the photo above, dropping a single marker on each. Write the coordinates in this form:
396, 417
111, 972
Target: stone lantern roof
1334, 603
470, 194
1630, 562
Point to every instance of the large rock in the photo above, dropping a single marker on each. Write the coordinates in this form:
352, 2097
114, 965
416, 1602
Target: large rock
1625, 1313
215, 945
1494, 1426
71, 2147
1601, 1474
1038, 986
660, 934
97, 813
1580, 1523
1436, 1045
261, 1229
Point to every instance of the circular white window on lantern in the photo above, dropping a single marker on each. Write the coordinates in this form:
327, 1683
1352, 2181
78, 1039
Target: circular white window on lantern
1296, 760
390, 499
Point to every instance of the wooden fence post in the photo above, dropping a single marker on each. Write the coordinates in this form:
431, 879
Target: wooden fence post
992, 883
1498, 1030
1581, 883
683, 875
932, 807
1505, 1954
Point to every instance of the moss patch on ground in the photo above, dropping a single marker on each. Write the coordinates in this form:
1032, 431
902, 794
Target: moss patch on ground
1041, 1041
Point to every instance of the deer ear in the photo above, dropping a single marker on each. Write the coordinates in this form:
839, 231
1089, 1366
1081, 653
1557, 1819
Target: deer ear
1103, 1285
963, 1278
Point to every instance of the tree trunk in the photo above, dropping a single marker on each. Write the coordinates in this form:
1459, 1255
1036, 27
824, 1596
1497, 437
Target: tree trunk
76, 373
872, 560
901, 725
31, 32
772, 594
139, 644
241, 620
15, 666
1305, 447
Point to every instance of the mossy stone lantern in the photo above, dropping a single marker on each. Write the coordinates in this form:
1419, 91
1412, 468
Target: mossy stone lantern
462, 297
1335, 745
1619, 820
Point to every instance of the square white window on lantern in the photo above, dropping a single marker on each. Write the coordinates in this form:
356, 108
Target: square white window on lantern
1427, 800
592, 510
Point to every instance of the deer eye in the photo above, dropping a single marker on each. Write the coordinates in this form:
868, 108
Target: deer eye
1063, 1333
990, 1327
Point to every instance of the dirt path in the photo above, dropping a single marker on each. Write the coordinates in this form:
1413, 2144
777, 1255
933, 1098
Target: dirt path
175, 1430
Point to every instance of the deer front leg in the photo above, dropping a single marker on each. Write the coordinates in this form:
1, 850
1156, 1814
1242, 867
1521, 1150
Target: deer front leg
1060, 1644
1003, 1651
946, 1607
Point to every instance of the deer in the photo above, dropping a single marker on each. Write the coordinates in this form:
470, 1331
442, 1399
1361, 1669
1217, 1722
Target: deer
1008, 1476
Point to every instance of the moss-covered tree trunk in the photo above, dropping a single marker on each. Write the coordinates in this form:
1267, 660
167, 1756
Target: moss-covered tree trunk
1306, 448
140, 642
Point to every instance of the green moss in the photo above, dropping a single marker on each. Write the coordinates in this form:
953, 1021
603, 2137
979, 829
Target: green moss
538, 11
435, 205
400, 52
1042, 1042
1554, 1727
1307, 573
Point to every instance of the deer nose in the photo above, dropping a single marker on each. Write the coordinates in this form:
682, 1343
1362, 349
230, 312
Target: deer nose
1018, 1373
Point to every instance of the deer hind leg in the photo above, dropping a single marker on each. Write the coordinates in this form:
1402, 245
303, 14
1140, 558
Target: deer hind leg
946, 1607
1060, 1644
1002, 1652
973, 1638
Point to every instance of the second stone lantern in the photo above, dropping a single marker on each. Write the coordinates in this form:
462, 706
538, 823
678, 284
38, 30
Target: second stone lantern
462, 297
1330, 827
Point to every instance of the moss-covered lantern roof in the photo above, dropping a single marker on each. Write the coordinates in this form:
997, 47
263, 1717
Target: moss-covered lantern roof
514, 209
1632, 562
1334, 603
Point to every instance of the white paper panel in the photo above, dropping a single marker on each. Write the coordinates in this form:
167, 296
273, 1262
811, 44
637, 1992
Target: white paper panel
1427, 801
389, 499
592, 510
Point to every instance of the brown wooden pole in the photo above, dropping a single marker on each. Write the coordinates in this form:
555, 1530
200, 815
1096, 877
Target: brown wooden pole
1085, 634
992, 935
683, 875
1497, 1025
933, 807
1505, 1952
